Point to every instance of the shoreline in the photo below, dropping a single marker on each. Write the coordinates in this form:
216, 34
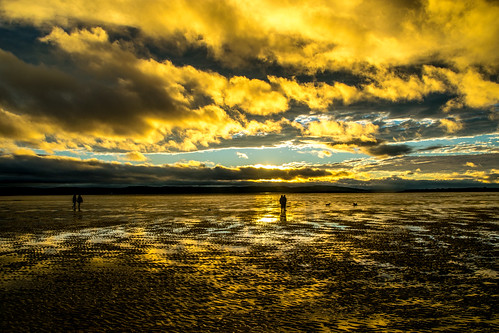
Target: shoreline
172, 190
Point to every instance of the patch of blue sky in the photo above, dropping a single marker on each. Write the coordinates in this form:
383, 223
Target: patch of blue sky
39, 151
87, 155
286, 154
233, 157
306, 119
398, 121
485, 143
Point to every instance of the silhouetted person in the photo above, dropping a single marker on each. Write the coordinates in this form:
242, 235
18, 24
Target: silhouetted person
79, 200
74, 202
283, 201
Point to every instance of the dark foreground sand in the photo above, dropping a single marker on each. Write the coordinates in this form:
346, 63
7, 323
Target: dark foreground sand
396, 262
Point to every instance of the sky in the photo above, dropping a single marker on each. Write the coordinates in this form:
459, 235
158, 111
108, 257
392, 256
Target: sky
369, 94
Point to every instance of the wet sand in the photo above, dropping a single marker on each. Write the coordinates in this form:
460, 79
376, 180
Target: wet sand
396, 262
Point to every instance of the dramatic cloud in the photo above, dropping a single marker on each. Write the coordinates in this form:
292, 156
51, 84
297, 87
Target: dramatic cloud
317, 96
299, 33
29, 170
342, 131
389, 150
321, 82
447, 166
113, 94
450, 125
25, 169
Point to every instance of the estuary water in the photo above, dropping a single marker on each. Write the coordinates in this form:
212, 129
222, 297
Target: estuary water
419, 262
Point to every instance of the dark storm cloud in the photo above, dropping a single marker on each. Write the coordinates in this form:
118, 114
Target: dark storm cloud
389, 150
23, 86
376, 147
42, 170
84, 101
430, 148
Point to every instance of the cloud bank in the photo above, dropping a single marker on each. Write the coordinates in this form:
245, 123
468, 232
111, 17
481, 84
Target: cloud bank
367, 78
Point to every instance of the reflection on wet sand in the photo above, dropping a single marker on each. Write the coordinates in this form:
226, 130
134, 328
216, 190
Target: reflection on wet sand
236, 263
282, 217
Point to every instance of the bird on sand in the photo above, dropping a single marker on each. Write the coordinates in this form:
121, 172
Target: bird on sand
328, 204
354, 204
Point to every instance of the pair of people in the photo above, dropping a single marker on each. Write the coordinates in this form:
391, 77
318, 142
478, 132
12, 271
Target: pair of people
283, 202
76, 200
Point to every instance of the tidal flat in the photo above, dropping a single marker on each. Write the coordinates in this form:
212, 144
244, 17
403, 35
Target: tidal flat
419, 262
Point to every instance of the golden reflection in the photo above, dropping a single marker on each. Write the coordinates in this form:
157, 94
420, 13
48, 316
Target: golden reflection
232, 268
268, 209
157, 255
267, 219
100, 262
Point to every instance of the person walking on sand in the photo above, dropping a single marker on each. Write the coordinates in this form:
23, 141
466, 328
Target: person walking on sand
74, 201
79, 200
283, 201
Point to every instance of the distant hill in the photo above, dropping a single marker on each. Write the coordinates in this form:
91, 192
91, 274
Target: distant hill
177, 190
459, 189
213, 190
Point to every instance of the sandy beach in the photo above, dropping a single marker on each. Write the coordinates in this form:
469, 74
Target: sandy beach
218, 263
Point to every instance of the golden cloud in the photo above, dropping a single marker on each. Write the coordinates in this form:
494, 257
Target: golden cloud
451, 126
144, 105
135, 156
78, 41
254, 96
473, 89
316, 96
476, 91
20, 128
394, 87
342, 131
309, 36
145, 122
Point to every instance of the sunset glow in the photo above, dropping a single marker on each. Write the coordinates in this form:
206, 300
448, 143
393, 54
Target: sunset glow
403, 94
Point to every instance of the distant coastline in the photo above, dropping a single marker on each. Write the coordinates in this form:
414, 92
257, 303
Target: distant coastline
7, 191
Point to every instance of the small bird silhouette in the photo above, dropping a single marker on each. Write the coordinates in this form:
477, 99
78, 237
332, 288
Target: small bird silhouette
328, 204
354, 204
